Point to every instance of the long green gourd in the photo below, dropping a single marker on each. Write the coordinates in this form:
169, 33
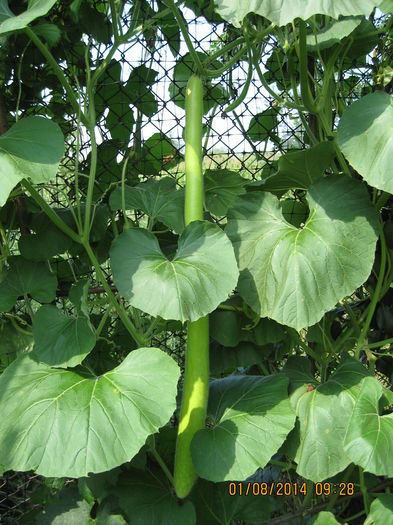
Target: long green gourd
196, 376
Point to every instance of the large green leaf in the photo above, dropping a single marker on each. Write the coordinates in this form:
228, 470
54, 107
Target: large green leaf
282, 12
296, 275
369, 438
381, 511
221, 189
32, 148
25, 277
157, 198
59, 339
299, 169
62, 423
36, 8
365, 137
186, 287
323, 412
244, 412
147, 498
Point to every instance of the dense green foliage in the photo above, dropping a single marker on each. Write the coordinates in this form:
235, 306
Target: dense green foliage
294, 315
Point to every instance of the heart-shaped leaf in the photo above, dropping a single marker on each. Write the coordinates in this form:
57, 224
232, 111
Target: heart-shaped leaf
157, 198
369, 438
365, 137
25, 277
282, 12
296, 275
62, 423
36, 8
61, 340
146, 497
32, 148
245, 411
323, 412
186, 287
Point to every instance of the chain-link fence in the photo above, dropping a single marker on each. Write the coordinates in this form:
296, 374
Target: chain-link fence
157, 139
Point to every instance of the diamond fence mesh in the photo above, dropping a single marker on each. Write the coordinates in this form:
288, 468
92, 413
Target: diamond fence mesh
157, 140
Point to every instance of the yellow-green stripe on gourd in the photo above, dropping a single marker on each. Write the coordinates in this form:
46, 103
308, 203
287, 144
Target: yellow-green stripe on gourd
196, 376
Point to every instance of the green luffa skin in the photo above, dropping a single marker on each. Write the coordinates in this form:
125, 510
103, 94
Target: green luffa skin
196, 377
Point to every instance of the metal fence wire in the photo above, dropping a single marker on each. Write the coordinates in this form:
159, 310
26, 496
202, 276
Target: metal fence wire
159, 135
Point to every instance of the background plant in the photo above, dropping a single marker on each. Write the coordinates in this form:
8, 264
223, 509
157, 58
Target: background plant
306, 335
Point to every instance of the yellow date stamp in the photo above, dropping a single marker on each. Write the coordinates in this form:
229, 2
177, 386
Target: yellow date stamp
281, 488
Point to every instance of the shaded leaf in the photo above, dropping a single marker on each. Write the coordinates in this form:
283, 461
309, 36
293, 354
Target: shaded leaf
299, 169
214, 504
68, 508
26, 277
221, 189
146, 497
44, 245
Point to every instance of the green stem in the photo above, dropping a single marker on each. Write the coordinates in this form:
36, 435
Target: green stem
103, 321
162, 464
363, 489
58, 72
379, 343
138, 338
376, 294
196, 374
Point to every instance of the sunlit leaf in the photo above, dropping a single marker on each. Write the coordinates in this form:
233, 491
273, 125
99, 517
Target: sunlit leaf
64, 423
